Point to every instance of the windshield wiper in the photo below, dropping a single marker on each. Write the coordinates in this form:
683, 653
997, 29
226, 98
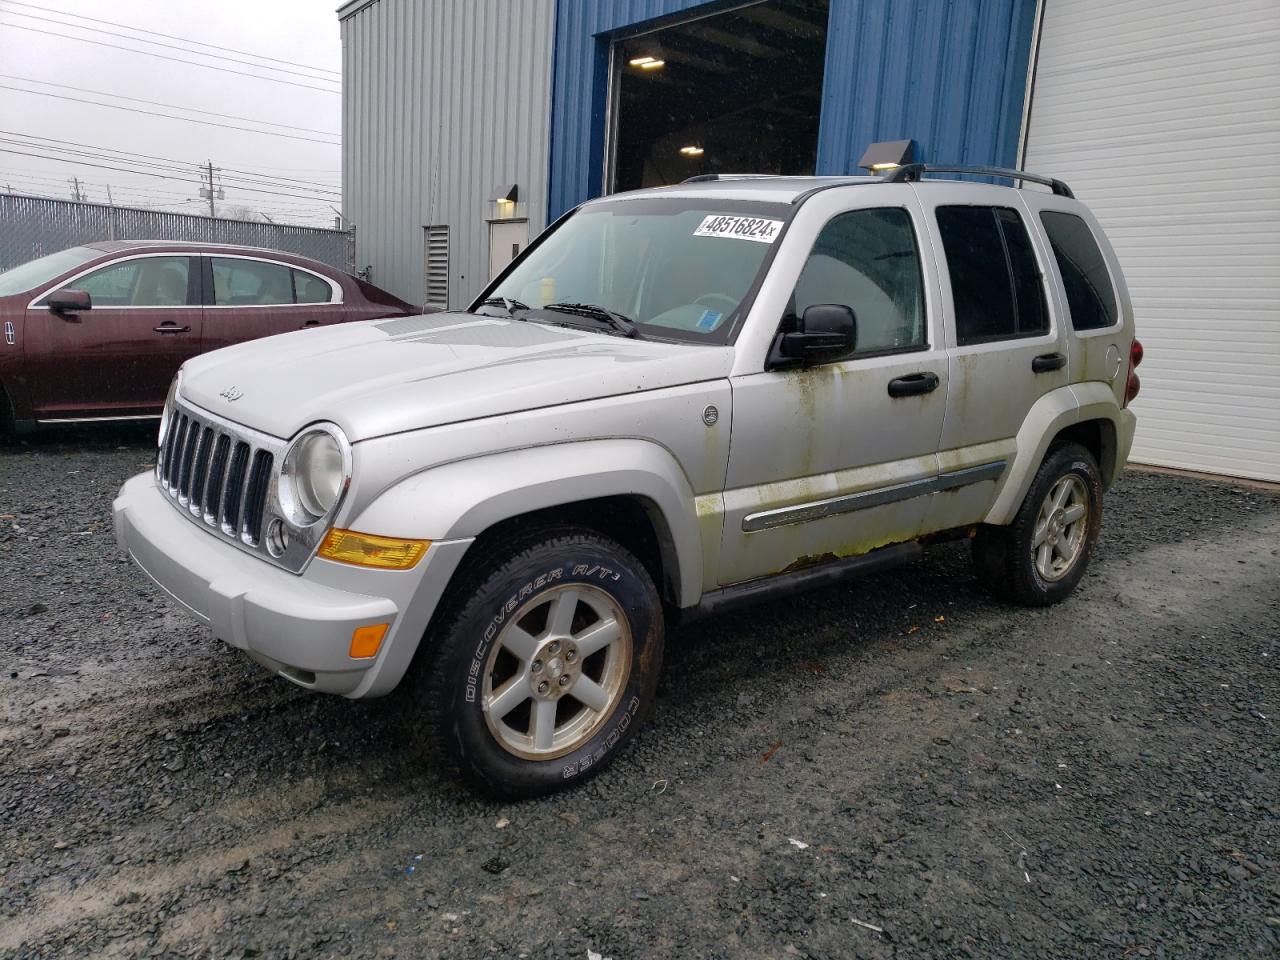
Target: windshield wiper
590, 311
507, 303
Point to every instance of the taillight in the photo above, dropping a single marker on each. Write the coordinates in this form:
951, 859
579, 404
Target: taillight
1132, 384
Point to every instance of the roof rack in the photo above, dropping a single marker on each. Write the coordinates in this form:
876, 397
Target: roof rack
708, 177
914, 172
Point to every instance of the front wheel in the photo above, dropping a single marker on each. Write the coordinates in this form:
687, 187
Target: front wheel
546, 665
1040, 557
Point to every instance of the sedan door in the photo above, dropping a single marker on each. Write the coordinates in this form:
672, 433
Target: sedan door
250, 297
115, 359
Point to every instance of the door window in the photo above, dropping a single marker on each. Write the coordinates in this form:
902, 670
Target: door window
868, 261
308, 288
1090, 296
996, 285
252, 283
144, 282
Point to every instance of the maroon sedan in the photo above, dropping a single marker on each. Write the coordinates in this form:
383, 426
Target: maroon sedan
97, 332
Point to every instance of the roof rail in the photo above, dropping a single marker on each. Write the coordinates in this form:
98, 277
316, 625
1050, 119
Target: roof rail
708, 177
914, 172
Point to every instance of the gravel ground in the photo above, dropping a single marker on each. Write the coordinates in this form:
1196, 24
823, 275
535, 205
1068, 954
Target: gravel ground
899, 768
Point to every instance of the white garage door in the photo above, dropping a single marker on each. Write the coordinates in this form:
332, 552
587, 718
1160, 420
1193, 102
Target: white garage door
1164, 117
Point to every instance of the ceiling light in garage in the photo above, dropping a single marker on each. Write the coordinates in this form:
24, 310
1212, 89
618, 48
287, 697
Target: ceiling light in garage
691, 151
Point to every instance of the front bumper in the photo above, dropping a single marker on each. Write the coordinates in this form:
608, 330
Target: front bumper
299, 626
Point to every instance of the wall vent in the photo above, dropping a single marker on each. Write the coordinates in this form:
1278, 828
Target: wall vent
437, 268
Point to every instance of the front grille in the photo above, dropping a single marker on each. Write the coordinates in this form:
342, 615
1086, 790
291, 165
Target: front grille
217, 474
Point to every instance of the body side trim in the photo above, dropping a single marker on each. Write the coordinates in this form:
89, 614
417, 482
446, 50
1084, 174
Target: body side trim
804, 512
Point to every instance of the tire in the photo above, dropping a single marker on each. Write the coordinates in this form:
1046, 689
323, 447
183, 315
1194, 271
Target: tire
1010, 561
505, 636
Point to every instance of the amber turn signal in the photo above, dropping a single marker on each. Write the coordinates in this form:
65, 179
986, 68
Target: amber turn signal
365, 641
370, 550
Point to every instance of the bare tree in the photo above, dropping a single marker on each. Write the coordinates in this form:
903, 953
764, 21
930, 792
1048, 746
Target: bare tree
237, 211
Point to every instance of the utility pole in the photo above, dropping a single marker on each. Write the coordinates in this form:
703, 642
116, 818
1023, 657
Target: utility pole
110, 202
206, 190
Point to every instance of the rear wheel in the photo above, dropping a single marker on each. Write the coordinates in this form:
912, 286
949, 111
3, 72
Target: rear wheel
1040, 557
545, 665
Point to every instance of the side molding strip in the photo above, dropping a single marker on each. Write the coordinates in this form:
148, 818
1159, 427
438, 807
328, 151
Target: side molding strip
804, 512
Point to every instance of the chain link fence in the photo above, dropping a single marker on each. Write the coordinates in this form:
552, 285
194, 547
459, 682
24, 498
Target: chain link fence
30, 227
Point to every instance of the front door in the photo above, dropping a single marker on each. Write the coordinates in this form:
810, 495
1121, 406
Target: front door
838, 459
251, 297
117, 358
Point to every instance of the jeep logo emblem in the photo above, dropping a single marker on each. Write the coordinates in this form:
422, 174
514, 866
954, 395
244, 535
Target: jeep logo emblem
231, 394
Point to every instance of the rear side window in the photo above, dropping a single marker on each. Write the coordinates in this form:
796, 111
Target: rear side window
245, 283
995, 282
1090, 295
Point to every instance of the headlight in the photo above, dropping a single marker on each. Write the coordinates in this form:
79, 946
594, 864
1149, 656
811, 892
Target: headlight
314, 474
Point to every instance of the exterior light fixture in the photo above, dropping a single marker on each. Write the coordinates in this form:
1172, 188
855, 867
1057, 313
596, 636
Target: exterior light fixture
653, 65
691, 151
888, 155
641, 61
504, 198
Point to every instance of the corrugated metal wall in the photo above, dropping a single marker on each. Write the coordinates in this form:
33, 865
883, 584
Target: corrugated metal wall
442, 101
30, 227
949, 75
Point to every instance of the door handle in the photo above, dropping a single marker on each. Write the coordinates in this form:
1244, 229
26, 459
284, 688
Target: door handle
1048, 361
312, 323
171, 328
912, 384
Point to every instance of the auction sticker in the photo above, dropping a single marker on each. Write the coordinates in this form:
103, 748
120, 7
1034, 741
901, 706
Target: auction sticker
741, 228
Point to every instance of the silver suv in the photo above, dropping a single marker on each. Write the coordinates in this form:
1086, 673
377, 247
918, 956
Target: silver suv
676, 401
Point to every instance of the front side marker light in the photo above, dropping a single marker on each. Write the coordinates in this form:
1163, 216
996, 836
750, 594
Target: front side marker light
371, 550
366, 641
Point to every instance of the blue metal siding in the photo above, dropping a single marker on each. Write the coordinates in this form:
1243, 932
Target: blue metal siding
949, 75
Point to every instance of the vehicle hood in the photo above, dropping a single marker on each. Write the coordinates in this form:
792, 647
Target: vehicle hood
388, 376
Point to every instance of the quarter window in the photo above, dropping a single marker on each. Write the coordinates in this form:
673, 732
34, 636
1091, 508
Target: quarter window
995, 282
250, 283
308, 288
1090, 295
868, 261
144, 282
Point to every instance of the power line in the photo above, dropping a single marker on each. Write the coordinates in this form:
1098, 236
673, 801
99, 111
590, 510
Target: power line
166, 163
157, 103
169, 36
167, 46
168, 116
162, 56
141, 173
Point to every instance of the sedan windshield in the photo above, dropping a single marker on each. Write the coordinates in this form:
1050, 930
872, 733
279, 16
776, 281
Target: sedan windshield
676, 267
33, 273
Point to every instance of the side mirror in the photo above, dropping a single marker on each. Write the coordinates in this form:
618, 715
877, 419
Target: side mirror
828, 331
69, 301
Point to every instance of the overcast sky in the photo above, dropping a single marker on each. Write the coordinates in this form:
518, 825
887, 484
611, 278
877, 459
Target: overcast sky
304, 32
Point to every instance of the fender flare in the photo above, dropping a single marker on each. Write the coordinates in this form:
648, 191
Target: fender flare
463, 499
1049, 416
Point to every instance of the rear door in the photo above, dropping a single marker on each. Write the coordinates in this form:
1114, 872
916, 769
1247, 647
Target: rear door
250, 297
117, 358
1006, 342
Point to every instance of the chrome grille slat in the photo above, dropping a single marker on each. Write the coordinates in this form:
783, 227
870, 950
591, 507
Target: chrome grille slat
188, 454
200, 470
217, 477
229, 520
256, 496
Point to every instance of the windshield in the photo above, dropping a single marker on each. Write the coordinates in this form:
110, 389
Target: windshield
33, 273
678, 267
